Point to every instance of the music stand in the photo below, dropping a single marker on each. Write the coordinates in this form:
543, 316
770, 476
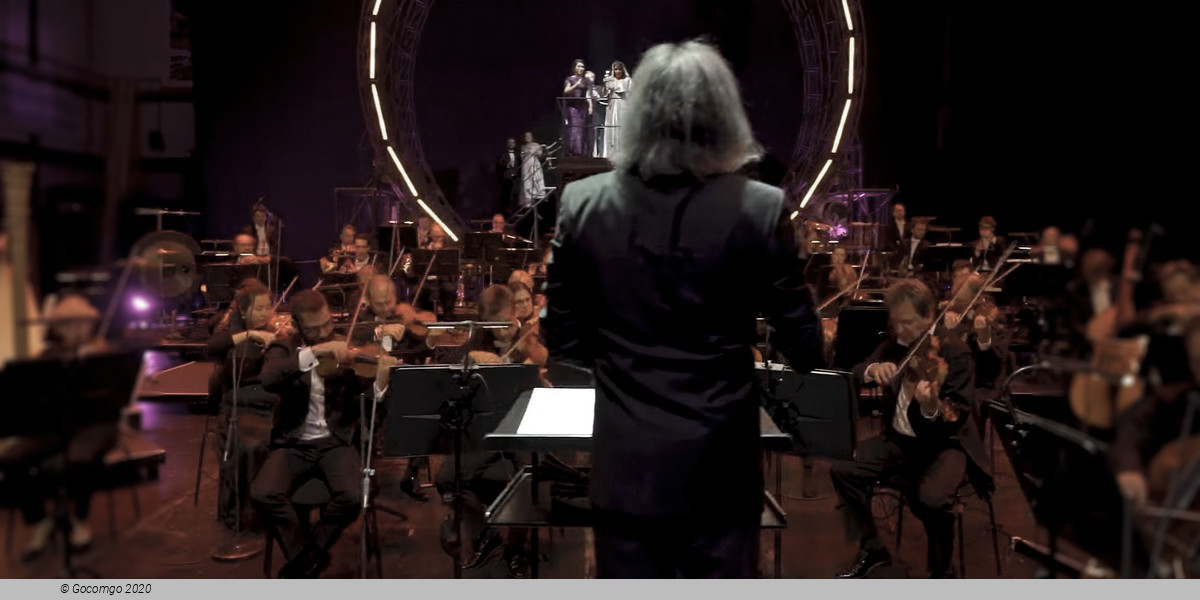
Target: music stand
223, 279
445, 262
816, 409
1065, 475
508, 260
481, 247
466, 402
551, 419
59, 396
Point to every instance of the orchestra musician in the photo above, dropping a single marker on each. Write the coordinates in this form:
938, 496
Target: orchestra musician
265, 233
930, 440
638, 292
402, 323
981, 326
1089, 296
911, 255
238, 343
484, 474
244, 247
72, 333
313, 434
989, 247
446, 288
1148, 428
342, 252
1053, 248
897, 231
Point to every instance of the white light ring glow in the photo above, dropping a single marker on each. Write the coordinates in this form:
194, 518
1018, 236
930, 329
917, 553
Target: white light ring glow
837, 139
849, 21
375, 11
371, 66
812, 188
434, 216
849, 69
379, 112
396, 159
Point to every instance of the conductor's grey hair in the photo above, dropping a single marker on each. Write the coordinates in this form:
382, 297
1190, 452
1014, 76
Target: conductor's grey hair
686, 115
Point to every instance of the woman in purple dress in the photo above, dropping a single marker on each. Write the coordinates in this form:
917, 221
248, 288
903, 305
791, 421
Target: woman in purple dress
578, 108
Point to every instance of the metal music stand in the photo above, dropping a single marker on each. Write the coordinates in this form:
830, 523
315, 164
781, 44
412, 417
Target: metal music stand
1066, 477
508, 260
445, 262
223, 279
427, 404
58, 396
816, 409
553, 419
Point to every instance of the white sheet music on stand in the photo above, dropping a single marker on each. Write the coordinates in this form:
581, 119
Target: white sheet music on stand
560, 412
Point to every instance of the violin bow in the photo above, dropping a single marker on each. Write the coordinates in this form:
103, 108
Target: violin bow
862, 275
279, 301
986, 284
520, 340
399, 257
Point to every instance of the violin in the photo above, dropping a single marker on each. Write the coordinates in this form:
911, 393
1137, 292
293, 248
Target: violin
363, 360
925, 363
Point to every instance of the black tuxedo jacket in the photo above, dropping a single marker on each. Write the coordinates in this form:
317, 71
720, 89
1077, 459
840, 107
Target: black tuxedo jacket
958, 389
281, 375
657, 287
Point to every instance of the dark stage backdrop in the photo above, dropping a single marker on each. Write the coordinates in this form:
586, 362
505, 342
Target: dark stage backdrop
277, 114
487, 71
1034, 115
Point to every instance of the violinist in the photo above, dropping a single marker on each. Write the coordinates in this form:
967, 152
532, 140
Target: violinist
313, 434
517, 344
930, 440
72, 333
484, 473
980, 325
1146, 431
238, 344
401, 322
841, 274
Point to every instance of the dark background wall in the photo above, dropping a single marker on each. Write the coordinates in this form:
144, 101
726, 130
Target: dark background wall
1033, 115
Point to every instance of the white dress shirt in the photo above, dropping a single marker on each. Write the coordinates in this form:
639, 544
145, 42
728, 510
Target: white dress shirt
900, 422
264, 245
315, 426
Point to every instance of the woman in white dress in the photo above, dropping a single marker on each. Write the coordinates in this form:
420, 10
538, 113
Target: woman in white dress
616, 89
533, 185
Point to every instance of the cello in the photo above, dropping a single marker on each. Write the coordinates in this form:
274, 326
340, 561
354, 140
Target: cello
1091, 395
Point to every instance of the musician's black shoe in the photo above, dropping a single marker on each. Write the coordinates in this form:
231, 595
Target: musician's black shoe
485, 549
866, 560
516, 563
306, 565
412, 489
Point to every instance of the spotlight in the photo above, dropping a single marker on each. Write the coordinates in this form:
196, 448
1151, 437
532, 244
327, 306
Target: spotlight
139, 304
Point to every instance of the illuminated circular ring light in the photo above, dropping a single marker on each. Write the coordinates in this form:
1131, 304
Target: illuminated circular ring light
846, 31
818, 29
373, 108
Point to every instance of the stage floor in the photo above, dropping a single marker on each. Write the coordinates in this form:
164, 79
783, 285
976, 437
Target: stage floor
174, 539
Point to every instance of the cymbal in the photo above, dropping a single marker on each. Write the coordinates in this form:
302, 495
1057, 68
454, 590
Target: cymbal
166, 263
861, 224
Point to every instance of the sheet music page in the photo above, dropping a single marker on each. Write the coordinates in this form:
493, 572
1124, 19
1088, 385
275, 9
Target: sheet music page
559, 412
